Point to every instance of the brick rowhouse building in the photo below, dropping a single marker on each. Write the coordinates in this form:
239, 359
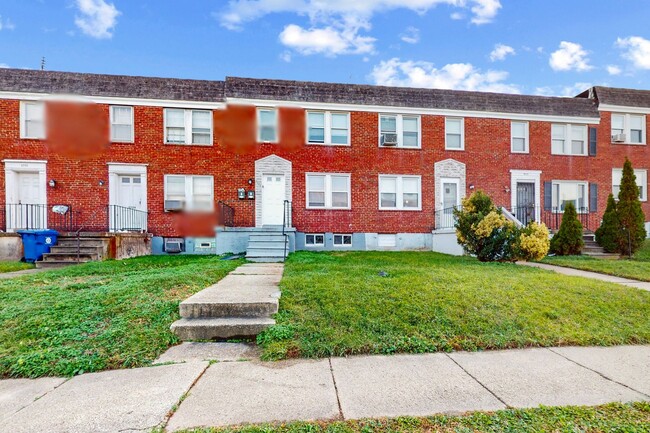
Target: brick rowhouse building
339, 166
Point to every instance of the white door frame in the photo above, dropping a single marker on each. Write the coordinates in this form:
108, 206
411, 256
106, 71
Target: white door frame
443, 181
526, 176
270, 164
117, 169
15, 166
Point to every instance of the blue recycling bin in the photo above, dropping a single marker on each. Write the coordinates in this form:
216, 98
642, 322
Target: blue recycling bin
37, 242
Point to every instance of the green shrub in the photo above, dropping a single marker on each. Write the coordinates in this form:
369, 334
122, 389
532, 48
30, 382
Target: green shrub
607, 235
630, 214
568, 240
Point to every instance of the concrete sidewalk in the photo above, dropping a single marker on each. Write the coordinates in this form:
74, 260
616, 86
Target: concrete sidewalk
643, 285
16, 274
226, 393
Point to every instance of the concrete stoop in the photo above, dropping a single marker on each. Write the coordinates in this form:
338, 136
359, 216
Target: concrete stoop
269, 245
592, 249
240, 305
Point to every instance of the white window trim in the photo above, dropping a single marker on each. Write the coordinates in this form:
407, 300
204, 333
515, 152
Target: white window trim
400, 130
23, 112
343, 245
627, 129
328, 191
526, 138
314, 245
462, 133
644, 196
189, 187
259, 124
556, 209
568, 138
188, 127
328, 128
400, 192
111, 123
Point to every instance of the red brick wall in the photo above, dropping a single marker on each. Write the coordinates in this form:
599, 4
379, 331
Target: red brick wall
487, 157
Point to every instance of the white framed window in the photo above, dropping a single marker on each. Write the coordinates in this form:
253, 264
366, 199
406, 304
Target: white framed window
568, 139
32, 120
188, 126
454, 133
328, 127
641, 182
342, 240
314, 240
566, 191
195, 192
400, 192
519, 137
328, 191
267, 125
628, 128
397, 130
121, 120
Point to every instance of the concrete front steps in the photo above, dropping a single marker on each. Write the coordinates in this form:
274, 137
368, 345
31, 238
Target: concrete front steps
64, 253
268, 245
592, 249
238, 306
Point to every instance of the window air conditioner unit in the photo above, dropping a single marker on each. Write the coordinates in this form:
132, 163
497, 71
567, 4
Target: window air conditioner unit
618, 138
389, 139
174, 205
174, 245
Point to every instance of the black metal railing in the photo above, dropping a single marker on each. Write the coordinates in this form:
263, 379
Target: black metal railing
126, 219
444, 218
524, 214
287, 215
21, 216
226, 214
552, 218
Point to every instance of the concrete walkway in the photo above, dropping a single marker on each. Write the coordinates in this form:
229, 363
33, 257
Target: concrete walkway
225, 393
643, 285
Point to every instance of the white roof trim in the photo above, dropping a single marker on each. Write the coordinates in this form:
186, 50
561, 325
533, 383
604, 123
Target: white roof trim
623, 109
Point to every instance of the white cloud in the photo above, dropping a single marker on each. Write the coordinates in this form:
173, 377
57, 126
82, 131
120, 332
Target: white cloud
457, 16
286, 56
613, 70
637, 50
6, 24
96, 18
485, 11
501, 51
570, 57
565, 91
460, 76
330, 41
411, 35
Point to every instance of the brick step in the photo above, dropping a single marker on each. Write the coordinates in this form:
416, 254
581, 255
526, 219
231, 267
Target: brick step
223, 309
219, 328
70, 257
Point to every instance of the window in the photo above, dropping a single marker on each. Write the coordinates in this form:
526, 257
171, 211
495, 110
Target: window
314, 240
342, 240
325, 127
121, 119
565, 192
641, 182
267, 125
568, 139
628, 128
188, 126
195, 192
519, 137
454, 134
399, 131
328, 191
399, 192
32, 120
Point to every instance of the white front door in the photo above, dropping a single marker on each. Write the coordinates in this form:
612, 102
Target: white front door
130, 192
28, 211
273, 196
125, 215
449, 200
29, 191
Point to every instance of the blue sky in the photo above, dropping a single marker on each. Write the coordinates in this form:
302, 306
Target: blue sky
522, 46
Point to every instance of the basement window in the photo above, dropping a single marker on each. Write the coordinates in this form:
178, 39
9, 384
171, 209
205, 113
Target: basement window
343, 240
314, 240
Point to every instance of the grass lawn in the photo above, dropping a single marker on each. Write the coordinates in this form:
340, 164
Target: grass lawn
337, 304
14, 266
637, 268
616, 417
97, 316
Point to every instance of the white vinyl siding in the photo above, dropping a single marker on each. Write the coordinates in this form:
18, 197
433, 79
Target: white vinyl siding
329, 128
328, 191
633, 126
32, 120
267, 125
314, 240
454, 133
400, 192
196, 192
519, 137
121, 119
641, 182
188, 126
568, 139
405, 128
570, 191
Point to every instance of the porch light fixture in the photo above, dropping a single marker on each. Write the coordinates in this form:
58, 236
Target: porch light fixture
250, 181
52, 183
471, 186
101, 183
506, 189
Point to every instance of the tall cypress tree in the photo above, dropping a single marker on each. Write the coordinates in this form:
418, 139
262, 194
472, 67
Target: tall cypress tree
630, 214
609, 231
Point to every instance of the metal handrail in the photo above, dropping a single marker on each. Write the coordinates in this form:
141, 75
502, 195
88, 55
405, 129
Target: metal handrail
26, 216
444, 218
226, 214
286, 222
123, 218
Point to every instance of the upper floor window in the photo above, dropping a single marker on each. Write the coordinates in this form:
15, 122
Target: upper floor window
519, 137
189, 192
328, 191
454, 134
628, 128
32, 120
565, 192
267, 125
641, 182
188, 126
399, 192
121, 119
568, 139
398, 130
326, 127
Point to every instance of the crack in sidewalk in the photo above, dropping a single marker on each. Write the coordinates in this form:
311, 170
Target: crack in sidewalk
172, 411
479, 382
336, 390
36, 399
